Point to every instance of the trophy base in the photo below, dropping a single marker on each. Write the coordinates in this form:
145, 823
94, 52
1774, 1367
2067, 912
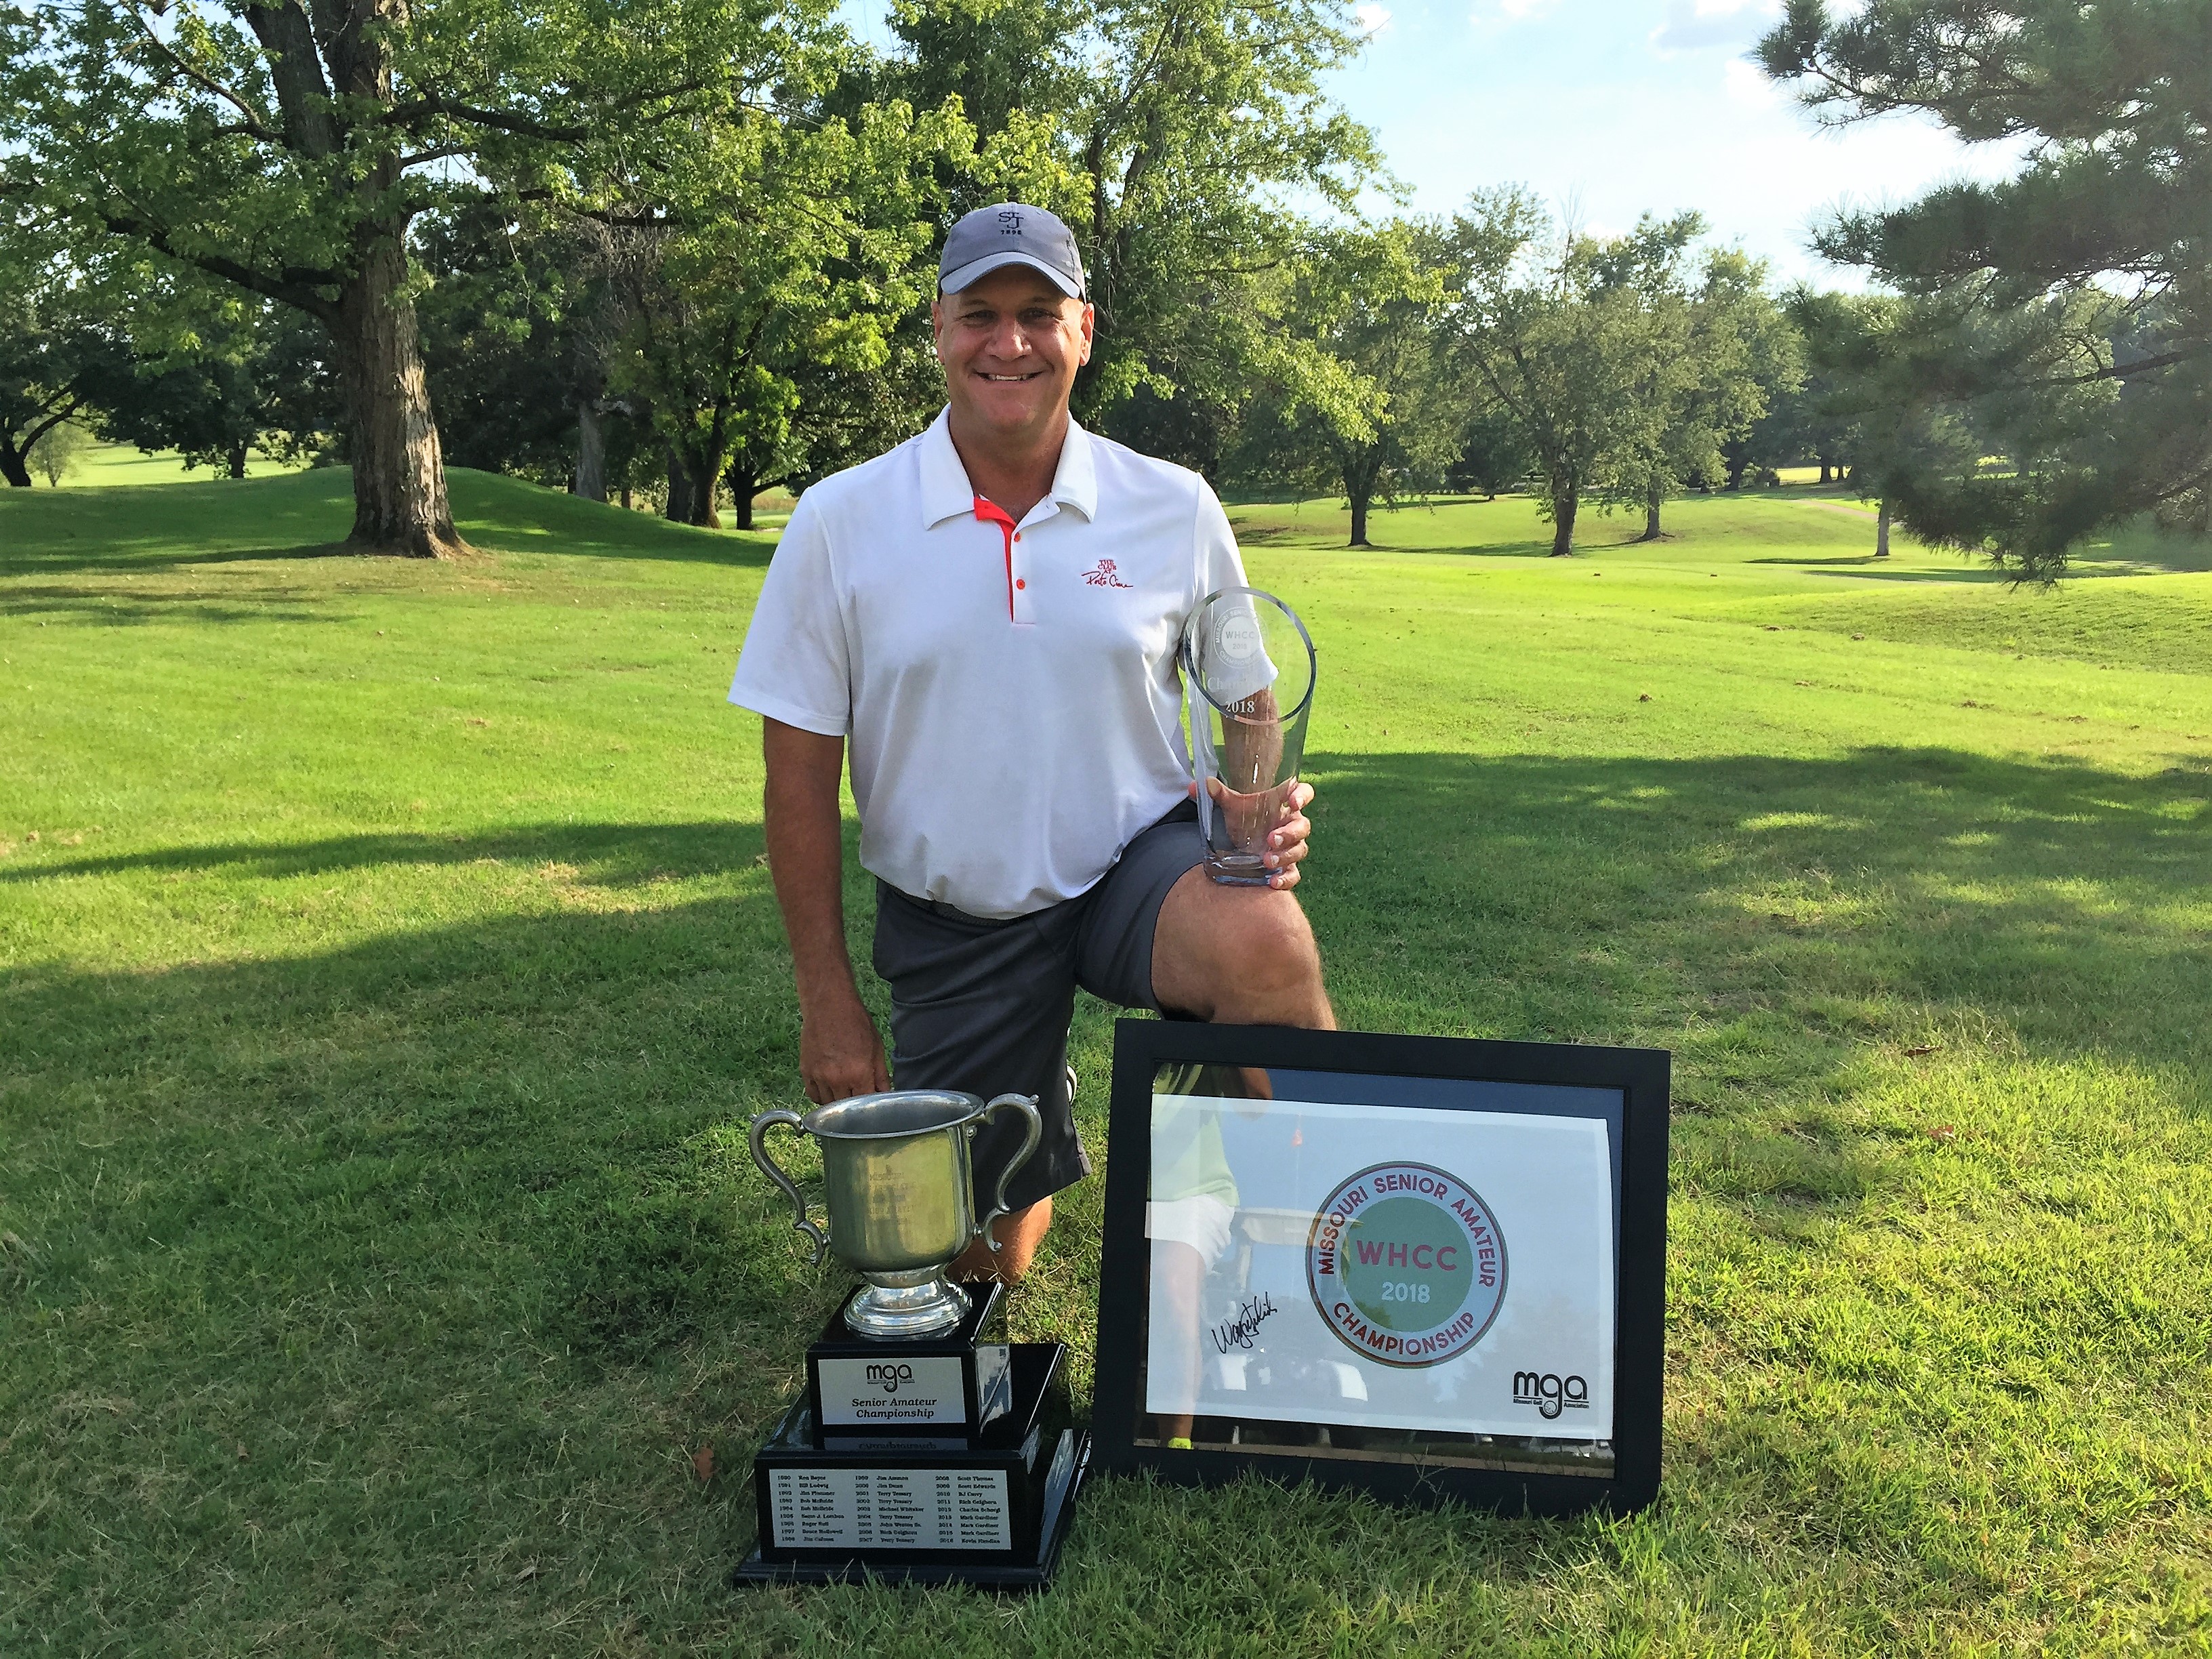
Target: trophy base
1238, 869
956, 1383
990, 1509
896, 1305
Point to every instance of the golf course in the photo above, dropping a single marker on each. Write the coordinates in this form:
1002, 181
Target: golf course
389, 967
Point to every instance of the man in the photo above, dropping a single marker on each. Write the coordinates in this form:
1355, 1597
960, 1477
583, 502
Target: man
991, 611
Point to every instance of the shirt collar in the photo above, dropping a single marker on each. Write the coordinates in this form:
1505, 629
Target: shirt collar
946, 493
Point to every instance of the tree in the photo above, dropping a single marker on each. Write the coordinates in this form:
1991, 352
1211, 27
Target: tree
1660, 441
52, 351
213, 372
2078, 293
1552, 330
506, 335
54, 453
793, 249
1165, 132
1368, 401
1909, 425
289, 151
1494, 453
1709, 355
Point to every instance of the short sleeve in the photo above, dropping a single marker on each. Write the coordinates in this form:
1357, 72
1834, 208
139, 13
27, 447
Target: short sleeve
1220, 564
795, 666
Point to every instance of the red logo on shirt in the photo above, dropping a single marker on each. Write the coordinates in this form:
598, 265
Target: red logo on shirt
1104, 576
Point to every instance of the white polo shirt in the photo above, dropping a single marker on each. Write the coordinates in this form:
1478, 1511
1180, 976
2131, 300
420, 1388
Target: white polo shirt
1011, 691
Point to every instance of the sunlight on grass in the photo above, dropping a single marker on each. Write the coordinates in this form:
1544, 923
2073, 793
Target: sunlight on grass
388, 964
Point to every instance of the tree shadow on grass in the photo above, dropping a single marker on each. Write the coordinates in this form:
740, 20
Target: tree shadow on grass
603, 852
470, 1182
137, 529
1609, 897
124, 607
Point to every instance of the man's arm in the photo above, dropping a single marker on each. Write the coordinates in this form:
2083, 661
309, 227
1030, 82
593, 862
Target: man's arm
839, 1051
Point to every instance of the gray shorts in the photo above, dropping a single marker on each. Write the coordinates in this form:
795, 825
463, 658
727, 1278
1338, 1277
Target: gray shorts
983, 1006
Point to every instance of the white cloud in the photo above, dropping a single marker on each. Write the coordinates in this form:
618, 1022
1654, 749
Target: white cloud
1372, 19
1691, 24
1488, 14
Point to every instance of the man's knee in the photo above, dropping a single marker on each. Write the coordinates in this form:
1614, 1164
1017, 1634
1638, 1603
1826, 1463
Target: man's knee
1240, 956
1267, 949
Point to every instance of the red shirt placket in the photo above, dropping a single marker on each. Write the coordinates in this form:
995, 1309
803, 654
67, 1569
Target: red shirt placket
990, 511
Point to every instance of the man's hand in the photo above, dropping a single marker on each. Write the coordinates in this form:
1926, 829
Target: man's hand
841, 1054
1283, 846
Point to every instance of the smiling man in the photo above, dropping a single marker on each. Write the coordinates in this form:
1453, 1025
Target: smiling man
990, 614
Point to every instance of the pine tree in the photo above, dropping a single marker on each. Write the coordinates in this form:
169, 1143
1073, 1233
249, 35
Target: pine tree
2066, 312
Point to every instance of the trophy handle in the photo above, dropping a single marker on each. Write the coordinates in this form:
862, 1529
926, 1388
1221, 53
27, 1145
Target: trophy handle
762, 1124
1027, 1106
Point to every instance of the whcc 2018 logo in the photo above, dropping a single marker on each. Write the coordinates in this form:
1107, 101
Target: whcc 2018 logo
1406, 1265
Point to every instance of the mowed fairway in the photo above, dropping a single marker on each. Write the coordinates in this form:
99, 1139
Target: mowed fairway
388, 966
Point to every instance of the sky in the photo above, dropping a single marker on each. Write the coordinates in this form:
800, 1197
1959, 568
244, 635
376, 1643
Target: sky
1611, 108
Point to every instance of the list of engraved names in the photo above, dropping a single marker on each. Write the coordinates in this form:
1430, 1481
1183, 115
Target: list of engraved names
891, 1509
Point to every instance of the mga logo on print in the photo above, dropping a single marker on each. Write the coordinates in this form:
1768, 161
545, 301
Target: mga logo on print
1407, 1265
1550, 1393
888, 1377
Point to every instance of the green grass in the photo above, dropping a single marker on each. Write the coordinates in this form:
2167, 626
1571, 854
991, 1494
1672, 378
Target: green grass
104, 465
387, 968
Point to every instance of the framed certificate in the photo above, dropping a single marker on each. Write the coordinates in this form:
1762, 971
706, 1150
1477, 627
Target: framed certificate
1432, 1267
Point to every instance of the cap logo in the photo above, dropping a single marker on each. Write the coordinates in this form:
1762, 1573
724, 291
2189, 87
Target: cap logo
1010, 224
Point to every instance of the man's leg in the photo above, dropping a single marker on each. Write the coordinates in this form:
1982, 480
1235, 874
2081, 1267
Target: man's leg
984, 1007
1018, 1232
1237, 956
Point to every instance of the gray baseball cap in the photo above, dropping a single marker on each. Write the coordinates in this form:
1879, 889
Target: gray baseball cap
1010, 234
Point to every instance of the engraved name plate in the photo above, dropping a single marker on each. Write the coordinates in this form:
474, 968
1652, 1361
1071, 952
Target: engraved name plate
891, 1509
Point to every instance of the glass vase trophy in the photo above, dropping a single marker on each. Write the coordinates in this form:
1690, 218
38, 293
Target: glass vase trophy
927, 1448
1248, 664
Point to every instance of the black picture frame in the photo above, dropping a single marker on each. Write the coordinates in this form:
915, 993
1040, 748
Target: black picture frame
1642, 1076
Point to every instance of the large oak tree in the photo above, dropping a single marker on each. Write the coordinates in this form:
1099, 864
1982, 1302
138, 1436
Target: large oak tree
287, 147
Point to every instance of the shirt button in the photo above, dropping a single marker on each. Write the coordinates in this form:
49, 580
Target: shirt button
1018, 535
1021, 581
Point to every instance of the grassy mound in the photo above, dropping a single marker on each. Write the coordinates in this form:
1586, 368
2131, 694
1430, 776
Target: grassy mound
387, 967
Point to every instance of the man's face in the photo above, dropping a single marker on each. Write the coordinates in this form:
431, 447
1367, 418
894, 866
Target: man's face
1011, 344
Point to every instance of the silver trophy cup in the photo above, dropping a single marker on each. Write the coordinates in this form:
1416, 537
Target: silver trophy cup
901, 1197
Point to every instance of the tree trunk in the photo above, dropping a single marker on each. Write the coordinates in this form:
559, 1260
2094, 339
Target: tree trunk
14, 465
1360, 468
1652, 499
591, 452
1824, 469
679, 509
628, 504
1881, 532
399, 471
237, 460
1565, 505
743, 486
703, 513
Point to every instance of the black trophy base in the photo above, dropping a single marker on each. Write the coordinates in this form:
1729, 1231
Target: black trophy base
955, 1383
992, 1509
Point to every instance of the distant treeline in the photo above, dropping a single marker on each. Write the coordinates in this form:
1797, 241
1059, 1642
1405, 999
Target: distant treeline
678, 254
